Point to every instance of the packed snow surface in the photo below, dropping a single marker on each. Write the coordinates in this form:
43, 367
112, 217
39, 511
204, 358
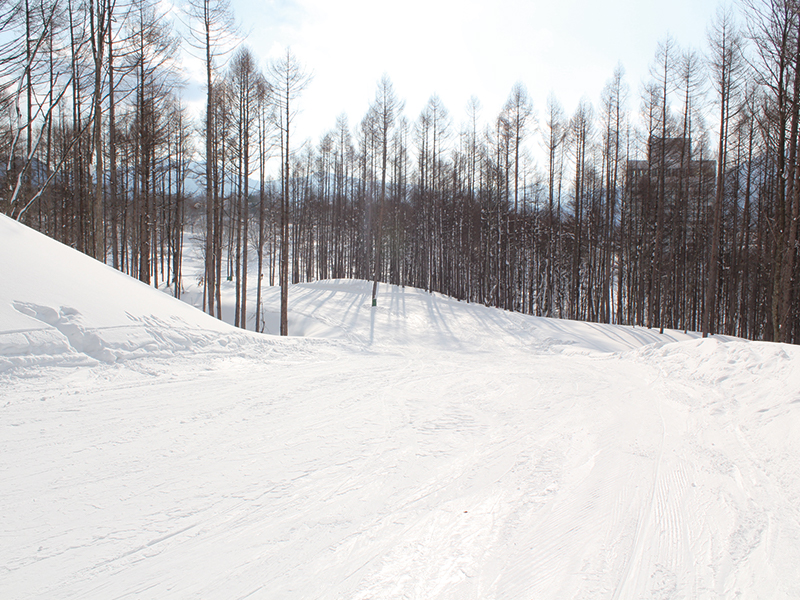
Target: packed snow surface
426, 448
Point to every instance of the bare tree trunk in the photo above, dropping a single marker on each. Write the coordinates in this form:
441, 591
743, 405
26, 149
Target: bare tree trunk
97, 24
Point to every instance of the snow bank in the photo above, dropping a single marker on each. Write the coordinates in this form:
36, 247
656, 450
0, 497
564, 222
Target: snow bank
413, 317
58, 306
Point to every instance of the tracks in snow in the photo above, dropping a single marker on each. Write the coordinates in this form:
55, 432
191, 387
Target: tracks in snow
416, 474
644, 521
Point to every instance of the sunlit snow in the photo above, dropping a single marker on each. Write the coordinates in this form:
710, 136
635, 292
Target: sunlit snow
426, 448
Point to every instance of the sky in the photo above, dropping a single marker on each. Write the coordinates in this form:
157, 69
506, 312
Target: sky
463, 48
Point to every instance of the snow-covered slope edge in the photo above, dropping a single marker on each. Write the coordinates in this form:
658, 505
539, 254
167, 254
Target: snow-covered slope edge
58, 306
410, 317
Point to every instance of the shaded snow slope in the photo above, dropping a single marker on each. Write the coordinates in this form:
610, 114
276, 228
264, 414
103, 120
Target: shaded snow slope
425, 449
415, 318
342, 309
58, 305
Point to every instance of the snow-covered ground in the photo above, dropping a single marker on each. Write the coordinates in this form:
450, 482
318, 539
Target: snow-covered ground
424, 449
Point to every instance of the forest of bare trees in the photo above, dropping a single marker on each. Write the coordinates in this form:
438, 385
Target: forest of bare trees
671, 205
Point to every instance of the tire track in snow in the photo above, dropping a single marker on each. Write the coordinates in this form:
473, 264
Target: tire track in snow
633, 565
568, 545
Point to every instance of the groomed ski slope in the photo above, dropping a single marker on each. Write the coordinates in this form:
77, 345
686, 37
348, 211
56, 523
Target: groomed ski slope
424, 449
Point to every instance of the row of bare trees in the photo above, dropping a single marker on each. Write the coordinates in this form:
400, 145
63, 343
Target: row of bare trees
97, 147
681, 213
95, 144
683, 216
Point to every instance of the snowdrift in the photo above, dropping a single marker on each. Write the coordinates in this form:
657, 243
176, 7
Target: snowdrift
58, 306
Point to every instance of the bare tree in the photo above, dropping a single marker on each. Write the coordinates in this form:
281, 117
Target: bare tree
518, 110
386, 106
614, 96
154, 47
689, 78
554, 135
773, 27
726, 66
288, 79
244, 85
663, 76
18, 73
99, 21
262, 108
213, 26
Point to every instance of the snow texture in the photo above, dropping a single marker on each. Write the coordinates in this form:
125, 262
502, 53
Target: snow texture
426, 448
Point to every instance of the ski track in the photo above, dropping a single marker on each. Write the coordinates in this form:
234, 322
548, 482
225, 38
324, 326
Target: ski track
464, 478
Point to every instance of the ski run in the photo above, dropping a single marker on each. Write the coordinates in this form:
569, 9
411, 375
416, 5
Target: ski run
423, 449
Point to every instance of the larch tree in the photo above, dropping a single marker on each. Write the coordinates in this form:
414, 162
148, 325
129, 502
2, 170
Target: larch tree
212, 28
262, 107
554, 135
99, 22
725, 63
29, 35
244, 79
386, 107
662, 72
154, 47
518, 111
772, 27
288, 79
614, 97
689, 79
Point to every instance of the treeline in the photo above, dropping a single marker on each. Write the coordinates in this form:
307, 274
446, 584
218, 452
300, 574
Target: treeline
681, 213
95, 144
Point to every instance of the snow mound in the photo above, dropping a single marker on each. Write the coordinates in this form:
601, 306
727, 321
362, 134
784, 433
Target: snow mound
341, 309
410, 318
59, 306
720, 360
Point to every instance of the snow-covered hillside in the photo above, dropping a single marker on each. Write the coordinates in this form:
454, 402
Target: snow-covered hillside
426, 448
